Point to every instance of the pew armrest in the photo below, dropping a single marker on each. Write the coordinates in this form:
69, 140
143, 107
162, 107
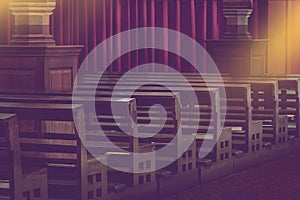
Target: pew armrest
237, 153
204, 162
116, 187
267, 145
163, 174
292, 138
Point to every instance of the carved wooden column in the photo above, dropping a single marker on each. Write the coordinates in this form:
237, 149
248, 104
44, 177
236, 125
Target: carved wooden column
32, 61
237, 13
32, 21
237, 53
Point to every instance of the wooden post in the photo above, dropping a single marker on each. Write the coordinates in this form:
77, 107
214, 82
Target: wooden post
237, 13
32, 61
237, 53
32, 22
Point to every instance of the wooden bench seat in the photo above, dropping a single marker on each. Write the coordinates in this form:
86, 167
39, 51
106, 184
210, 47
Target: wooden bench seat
259, 89
142, 100
265, 105
139, 95
238, 98
17, 181
204, 107
106, 122
38, 151
200, 92
288, 95
288, 91
286, 84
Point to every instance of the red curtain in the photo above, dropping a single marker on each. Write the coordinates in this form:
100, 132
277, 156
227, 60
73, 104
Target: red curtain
89, 22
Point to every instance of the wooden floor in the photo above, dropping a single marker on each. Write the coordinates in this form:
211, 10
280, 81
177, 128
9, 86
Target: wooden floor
278, 179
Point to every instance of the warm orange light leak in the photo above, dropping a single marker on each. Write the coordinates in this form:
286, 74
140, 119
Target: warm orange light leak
3, 6
284, 35
4, 20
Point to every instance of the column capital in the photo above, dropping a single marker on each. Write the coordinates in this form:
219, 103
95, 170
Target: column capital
19, 7
32, 22
237, 13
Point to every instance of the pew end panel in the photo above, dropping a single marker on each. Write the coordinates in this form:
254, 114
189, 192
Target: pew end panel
256, 136
97, 180
57, 150
17, 181
222, 149
283, 124
289, 95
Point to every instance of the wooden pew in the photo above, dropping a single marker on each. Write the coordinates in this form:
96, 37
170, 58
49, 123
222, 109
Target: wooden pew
122, 183
263, 104
247, 135
10, 161
116, 184
107, 124
203, 95
62, 151
144, 101
288, 92
15, 182
289, 96
223, 148
150, 97
185, 163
